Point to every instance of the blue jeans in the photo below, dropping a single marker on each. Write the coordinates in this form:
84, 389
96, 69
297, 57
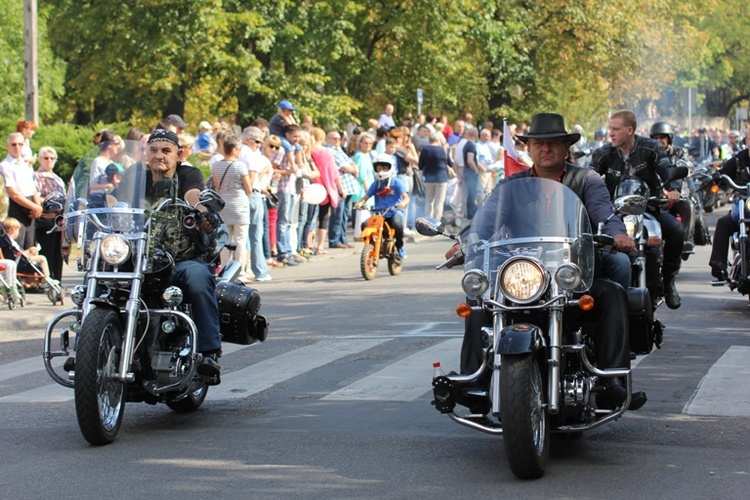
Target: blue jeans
284, 223
199, 287
471, 182
616, 267
266, 232
255, 236
337, 223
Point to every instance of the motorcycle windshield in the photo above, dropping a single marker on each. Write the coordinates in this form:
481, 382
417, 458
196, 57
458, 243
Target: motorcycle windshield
536, 218
113, 192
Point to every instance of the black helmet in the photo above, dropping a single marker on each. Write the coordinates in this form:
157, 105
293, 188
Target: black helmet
600, 132
662, 128
53, 204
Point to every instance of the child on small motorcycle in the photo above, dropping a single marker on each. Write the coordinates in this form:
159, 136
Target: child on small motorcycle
388, 192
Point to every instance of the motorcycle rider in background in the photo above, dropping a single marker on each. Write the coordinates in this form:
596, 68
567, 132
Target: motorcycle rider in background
629, 155
548, 146
664, 133
737, 169
191, 273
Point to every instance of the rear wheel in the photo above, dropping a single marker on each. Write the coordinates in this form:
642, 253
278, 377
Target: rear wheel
99, 394
525, 420
192, 401
394, 264
368, 262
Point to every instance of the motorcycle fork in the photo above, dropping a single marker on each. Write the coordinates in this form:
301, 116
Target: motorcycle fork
743, 250
554, 361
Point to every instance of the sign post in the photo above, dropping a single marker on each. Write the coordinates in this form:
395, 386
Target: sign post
420, 98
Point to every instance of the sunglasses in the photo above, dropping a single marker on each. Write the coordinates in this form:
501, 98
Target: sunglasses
256, 141
15, 144
48, 158
273, 147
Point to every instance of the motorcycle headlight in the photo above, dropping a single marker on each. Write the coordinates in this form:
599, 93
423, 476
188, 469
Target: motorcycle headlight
114, 249
568, 276
522, 280
475, 283
630, 223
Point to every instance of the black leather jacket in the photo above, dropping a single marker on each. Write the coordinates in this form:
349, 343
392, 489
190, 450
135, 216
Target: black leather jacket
738, 167
647, 160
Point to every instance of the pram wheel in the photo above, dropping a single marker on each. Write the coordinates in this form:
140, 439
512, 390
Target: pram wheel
53, 296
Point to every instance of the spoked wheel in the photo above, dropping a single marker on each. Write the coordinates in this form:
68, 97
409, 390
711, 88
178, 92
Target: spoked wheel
99, 395
525, 421
368, 262
54, 296
192, 401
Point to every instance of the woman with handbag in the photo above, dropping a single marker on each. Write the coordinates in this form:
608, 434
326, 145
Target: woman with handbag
232, 181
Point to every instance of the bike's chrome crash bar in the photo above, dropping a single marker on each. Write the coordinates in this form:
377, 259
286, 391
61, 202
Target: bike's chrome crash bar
48, 354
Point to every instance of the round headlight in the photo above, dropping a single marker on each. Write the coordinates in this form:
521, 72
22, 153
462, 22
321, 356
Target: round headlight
475, 283
172, 296
630, 223
747, 205
568, 276
114, 249
522, 280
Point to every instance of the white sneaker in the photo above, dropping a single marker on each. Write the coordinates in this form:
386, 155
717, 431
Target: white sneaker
267, 277
408, 232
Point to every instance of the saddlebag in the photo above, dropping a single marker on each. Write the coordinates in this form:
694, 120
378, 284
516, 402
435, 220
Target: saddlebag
641, 321
239, 320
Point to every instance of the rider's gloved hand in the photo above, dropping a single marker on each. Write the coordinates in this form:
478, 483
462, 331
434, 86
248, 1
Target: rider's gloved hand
209, 222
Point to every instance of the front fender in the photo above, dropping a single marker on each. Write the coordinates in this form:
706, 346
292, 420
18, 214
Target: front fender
368, 232
520, 338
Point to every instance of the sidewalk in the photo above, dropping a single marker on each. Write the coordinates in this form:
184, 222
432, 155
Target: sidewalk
38, 310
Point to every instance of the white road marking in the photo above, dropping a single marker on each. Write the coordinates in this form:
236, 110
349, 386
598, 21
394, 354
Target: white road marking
404, 380
724, 390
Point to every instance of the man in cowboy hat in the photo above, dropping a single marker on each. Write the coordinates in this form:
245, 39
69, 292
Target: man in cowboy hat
549, 144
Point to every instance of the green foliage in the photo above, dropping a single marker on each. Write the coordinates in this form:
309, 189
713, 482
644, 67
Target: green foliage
70, 142
51, 67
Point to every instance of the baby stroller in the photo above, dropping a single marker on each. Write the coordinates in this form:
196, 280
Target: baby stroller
13, 295
28, 274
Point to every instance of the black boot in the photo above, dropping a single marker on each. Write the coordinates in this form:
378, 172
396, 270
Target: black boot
210, 369
671, 297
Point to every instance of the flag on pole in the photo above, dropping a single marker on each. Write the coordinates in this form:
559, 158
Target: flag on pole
513, 162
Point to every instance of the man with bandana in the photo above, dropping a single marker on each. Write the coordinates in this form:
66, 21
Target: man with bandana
191, 274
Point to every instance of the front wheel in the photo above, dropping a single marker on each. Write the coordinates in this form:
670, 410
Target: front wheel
368, 262
525, 420
99, 394
394, 264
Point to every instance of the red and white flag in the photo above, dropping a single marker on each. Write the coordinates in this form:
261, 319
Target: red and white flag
513, 162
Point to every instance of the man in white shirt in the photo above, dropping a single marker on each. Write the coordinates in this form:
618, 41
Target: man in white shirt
24, 202
386, 119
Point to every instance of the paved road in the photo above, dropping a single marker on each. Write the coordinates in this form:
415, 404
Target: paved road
336, 405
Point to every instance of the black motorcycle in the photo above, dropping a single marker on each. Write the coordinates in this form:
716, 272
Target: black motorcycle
528, 266
132, 336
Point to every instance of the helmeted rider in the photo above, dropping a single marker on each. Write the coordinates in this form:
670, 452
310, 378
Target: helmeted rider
629, 155
664, 133
389, 191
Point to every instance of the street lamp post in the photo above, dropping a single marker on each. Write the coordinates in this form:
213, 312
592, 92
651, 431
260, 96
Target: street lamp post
31, 67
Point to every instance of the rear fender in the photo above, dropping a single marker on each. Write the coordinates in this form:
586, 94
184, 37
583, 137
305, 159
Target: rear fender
520, 338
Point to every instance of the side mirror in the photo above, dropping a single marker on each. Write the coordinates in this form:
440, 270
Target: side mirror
631, 204
427, 226
212, 200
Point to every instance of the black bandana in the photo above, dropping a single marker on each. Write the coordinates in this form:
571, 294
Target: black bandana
161, 134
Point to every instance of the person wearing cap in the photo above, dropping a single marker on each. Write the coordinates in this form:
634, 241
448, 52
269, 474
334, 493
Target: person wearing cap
284, 116
204, 145
549, 143
631, 155
109, 180
191, 272
178, 123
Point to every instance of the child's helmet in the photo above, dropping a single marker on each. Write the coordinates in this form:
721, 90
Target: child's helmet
384, 159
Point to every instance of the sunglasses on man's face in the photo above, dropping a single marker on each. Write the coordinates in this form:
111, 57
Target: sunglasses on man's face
15, 144
48, 158
273, 147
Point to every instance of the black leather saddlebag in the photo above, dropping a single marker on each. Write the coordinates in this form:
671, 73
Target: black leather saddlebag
641, 319
238, 314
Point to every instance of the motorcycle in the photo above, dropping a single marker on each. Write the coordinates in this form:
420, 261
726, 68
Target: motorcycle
528, 264
131, 338
739, 270
380, 242
693, 191
713, 197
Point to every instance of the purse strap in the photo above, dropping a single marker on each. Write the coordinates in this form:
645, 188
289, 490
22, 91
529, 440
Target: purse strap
225, 174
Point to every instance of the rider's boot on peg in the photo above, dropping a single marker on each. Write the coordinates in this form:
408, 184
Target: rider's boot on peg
209, 367
671, 297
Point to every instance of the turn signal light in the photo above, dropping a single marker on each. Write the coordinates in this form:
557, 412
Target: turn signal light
653, 240
586, 302
714, 189
463, 310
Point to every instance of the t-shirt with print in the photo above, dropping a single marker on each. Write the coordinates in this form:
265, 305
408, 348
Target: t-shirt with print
387, 193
